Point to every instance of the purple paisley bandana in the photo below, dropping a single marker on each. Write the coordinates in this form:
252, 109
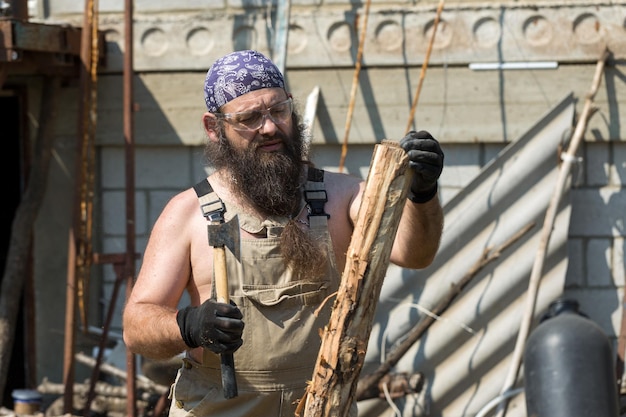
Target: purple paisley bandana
238, 73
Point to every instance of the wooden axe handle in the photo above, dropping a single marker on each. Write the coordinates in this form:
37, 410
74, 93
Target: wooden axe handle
229, 383
220, 276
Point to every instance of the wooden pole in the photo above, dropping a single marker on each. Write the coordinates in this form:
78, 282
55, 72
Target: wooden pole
535, 276
22, 228
344, 340
355, 84
409, 123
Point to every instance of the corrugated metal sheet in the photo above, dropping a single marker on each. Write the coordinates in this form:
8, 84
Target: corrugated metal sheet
466, 354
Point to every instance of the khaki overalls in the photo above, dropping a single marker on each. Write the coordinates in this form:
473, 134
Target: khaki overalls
281, 338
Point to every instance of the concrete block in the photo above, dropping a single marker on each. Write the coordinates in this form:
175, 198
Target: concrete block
357, 159
491, 151
575, 277
169, 109
447, 193
601, 305
156, 167
142, 221
112, 172
618, 262
598, 212
199, 169
156, 202
598, 263
462, 163
163, 167
596, 162
114, 213
120, 301
617, 176
116, 244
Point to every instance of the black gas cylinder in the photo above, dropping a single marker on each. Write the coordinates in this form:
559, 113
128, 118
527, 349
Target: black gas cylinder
569, 366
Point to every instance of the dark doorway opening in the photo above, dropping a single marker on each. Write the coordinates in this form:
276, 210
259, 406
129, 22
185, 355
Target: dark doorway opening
12, 119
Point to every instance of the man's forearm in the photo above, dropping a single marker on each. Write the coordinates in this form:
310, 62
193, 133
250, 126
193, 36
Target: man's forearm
153, 333
419, 234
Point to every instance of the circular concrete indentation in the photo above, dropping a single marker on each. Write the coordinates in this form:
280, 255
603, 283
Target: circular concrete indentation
297, 40
389, 35
537, 30
487, 32
339, 37
154, 42
443, 37
199, 41
587, 29
244, 37
113, 37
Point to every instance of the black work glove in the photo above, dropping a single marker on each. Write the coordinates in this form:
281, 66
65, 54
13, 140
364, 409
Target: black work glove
215, 326
426, 160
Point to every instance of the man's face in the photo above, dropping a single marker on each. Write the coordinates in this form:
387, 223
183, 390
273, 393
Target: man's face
265, 164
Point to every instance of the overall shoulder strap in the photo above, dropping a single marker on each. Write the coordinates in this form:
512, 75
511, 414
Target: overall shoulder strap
211, 205
316, 197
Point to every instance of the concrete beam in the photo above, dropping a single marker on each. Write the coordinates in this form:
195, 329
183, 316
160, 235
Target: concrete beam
457, 105
396, 35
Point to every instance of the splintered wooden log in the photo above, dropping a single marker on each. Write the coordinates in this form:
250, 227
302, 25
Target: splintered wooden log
332, 389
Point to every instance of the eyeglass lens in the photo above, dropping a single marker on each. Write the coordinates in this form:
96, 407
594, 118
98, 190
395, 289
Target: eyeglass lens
254, 119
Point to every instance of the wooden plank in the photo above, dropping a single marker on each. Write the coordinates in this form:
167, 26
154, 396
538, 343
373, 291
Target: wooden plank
45, 38
331, 391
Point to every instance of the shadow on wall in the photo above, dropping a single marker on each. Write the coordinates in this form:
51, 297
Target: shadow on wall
465, 354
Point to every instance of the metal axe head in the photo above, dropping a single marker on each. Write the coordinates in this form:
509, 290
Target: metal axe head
225, 234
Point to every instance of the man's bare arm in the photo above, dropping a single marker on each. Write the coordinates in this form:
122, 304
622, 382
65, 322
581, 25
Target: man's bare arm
149, 319
146, 323
421, 225
419, 234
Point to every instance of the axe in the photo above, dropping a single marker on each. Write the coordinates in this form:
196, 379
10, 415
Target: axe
224, 235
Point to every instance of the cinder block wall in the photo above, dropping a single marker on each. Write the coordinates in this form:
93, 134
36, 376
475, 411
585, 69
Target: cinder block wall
473, 113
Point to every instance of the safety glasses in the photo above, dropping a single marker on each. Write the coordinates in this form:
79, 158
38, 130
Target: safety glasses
254, 119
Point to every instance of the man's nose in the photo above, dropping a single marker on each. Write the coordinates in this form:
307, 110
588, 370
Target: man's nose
265, 127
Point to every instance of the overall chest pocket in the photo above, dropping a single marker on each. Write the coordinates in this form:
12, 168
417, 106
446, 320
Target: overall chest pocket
265, 280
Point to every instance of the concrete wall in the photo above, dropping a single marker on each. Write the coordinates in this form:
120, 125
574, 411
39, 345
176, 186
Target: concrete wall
473, 113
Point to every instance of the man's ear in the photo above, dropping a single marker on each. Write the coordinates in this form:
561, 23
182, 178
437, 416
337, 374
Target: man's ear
211, 125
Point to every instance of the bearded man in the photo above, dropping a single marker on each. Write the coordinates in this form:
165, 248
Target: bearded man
295, 224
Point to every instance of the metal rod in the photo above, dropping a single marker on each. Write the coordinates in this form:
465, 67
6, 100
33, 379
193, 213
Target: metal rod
70, 330
486, 66
95, 373
131, 408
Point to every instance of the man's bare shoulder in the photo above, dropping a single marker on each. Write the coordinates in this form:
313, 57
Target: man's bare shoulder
180, 209
184, 200
344, 186
343, 192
